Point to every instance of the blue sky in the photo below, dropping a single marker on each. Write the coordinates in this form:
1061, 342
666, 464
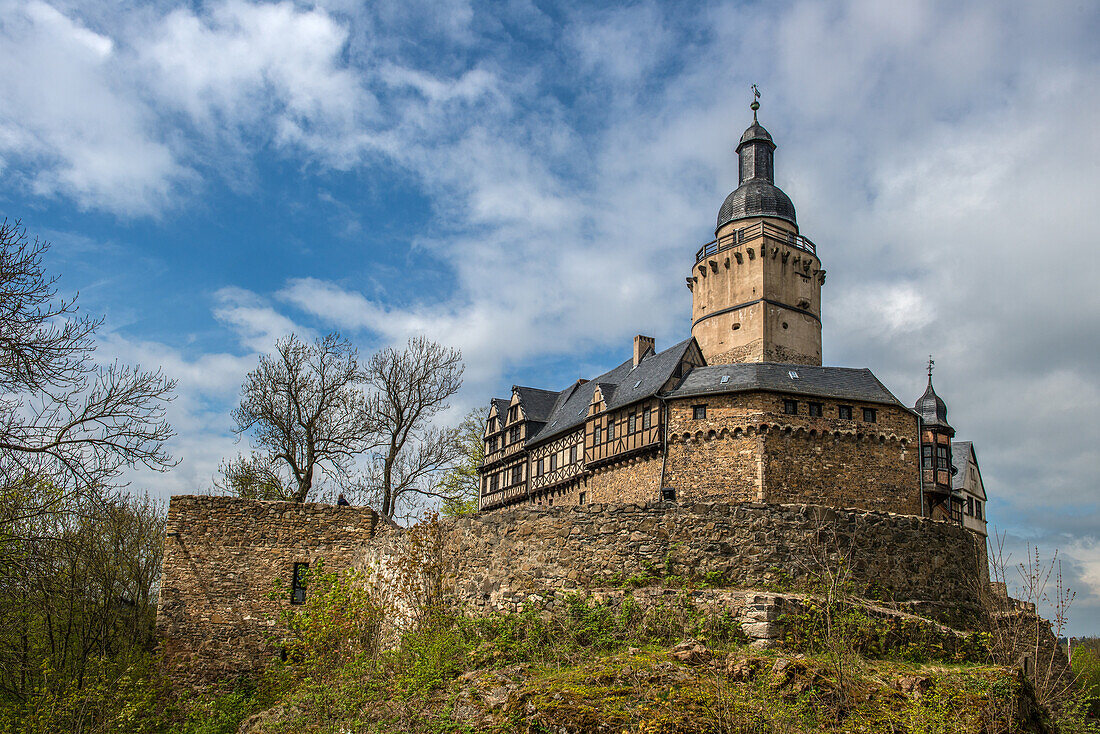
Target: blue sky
529, 182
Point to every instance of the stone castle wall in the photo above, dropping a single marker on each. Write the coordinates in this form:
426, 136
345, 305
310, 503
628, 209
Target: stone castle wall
497, 562
223, 558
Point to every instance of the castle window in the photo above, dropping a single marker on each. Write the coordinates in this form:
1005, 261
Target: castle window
942, 459
970, 506
926, 455
494, 483
492, 445
646, 420
517, 474
611, 430
513, 413
844, 412
698, 412
790, 407
553, 462
631, 423
598, 436
816, 409
580, 499
573, 454
513, 435
978, 509
298, 583
538, 468
870, 415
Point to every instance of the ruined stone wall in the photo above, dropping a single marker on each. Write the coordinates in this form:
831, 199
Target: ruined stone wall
222, 559
503, 560
223, 556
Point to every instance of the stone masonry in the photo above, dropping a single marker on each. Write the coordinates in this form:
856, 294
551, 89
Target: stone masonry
222, 560
223, 556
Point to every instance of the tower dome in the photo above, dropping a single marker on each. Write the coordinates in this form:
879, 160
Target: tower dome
756, 194
932, 409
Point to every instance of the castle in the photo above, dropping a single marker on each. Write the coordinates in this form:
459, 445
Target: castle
742, 410
725, 457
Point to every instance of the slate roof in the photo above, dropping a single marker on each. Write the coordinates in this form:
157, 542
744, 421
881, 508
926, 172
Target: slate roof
756, 198
537, 403
502, 408
620, 386
961, 453
840, 383
932, 409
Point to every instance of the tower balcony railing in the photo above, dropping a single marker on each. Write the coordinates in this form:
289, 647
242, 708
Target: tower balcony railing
754, 232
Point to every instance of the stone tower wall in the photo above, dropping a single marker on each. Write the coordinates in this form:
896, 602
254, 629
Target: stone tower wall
768, 278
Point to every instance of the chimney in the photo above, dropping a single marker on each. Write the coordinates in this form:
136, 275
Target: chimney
643, 344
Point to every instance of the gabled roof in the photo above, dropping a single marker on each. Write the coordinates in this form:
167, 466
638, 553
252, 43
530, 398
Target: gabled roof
963, 455
620, 386
536, 403
502, 408
840, 383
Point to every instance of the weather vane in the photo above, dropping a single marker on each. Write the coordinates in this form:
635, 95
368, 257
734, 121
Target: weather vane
931, 366
755, 101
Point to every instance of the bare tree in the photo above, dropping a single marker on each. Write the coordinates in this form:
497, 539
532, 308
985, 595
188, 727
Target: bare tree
410, 388
63, 417
305, 406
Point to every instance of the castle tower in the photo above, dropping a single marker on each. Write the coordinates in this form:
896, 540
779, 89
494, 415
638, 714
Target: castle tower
756, 288
937, 470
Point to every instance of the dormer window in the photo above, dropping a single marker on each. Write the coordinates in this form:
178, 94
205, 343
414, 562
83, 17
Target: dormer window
513, 413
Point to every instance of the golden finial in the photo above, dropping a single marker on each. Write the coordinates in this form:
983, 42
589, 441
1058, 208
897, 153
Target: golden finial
755, 101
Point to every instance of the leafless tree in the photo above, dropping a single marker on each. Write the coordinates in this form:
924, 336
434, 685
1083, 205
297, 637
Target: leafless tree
63, 417
305, 406
410, 387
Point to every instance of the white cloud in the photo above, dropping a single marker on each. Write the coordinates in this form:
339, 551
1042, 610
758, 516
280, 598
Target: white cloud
68, 126
255, 322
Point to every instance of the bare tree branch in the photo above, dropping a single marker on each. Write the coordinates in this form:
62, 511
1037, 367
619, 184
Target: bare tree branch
305, 406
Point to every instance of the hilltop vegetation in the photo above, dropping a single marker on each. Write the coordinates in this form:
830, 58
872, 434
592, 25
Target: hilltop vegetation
586, 667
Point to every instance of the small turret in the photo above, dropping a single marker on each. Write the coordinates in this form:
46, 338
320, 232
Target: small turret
937, 469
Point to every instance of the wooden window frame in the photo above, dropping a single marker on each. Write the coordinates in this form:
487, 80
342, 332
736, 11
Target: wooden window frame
790, 407
870, 415
699, 412
844, 412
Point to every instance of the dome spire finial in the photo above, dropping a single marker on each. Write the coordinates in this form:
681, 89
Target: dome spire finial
931, 366
755, 101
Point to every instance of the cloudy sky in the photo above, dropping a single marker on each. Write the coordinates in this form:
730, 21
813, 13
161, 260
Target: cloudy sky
529, 182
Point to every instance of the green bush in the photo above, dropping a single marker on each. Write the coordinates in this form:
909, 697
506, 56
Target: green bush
1086, 669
